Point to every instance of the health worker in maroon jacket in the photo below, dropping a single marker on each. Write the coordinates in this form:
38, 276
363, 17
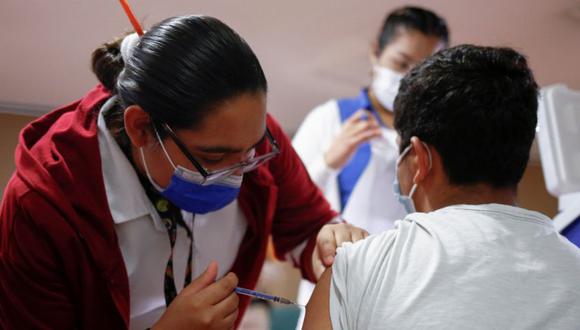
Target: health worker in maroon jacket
146, 202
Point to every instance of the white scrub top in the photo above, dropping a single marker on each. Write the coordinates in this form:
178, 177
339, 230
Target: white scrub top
144, 241
372, 204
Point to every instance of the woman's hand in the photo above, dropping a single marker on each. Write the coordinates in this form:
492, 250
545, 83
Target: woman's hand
203, 304
329, 238
358, 129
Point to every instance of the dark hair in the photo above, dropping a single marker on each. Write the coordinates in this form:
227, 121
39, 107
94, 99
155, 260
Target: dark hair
413, 18
179, 71
107, 63
477, 106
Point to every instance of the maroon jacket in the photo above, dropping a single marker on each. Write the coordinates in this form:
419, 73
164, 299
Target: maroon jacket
60, 262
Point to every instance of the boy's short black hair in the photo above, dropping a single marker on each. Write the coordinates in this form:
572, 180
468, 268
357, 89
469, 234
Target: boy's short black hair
477, 106
414, 18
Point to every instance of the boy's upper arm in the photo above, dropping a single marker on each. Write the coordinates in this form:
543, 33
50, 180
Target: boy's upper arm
341, 289
318, 308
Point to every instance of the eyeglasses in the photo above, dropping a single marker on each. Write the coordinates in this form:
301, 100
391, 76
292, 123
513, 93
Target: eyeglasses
244, 167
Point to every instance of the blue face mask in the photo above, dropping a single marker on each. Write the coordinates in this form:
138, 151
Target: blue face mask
407, 201
188, 192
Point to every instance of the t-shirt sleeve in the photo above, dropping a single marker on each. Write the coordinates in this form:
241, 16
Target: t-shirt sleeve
352, 273
339, 291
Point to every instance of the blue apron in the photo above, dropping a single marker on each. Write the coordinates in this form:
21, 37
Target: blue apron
353, 170
572, 232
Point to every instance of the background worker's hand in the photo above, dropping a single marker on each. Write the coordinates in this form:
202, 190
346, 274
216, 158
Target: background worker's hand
358, 129
329, 238
203, 304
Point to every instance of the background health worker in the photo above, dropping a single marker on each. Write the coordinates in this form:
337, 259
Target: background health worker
349, 145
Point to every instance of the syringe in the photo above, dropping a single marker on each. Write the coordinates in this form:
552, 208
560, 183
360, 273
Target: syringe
263, 296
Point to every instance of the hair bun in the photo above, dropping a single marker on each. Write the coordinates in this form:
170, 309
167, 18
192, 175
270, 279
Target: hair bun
107, 63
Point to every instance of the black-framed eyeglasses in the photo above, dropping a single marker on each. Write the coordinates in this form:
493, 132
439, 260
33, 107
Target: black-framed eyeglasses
244, 167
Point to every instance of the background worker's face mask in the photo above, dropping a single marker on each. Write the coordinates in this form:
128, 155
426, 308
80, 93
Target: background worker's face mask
385, 85
189, 190
407, 201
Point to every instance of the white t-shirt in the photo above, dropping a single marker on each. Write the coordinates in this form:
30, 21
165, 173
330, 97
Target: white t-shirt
461, 267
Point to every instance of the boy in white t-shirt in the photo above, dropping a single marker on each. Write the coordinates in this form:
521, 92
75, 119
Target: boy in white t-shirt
465, 257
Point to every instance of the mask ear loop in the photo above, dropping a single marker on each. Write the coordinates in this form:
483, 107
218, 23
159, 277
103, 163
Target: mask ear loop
147, 170
163, 147
132, 19
145, 162
405, 152
430, 166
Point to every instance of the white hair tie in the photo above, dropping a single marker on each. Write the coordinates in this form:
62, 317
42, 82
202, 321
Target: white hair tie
128, 46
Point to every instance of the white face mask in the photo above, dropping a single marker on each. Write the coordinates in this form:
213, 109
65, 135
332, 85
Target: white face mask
385, 85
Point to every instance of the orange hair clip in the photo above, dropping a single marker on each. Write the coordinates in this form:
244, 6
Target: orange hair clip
132, 19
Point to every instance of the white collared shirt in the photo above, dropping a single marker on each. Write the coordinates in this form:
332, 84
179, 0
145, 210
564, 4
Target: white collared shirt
144, 241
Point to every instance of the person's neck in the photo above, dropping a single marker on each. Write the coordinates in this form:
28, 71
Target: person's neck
386, 115
473, 195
